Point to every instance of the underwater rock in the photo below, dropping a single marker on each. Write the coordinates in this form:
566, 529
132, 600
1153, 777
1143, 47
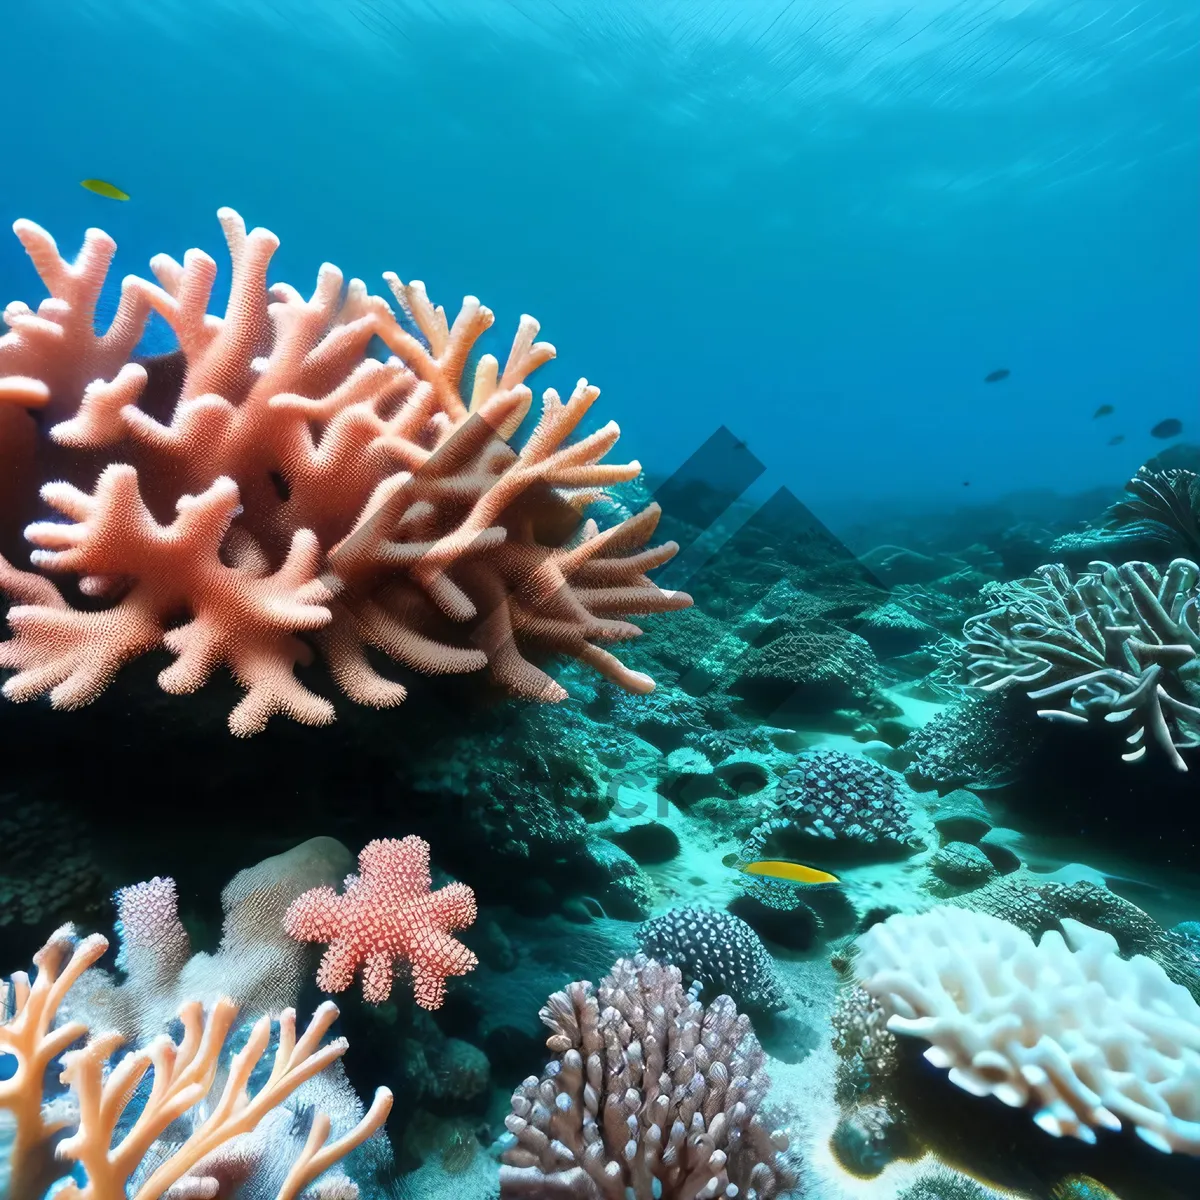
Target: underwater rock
625, 889
868, 1050
442, 1069
688, 777
493, 945
944, 1184
665, 718
648, 842
611, 1045
836, 804
962, 865
868, 1138
960, 816
717, 950
48, 872
891, 630
979, 742
811, 668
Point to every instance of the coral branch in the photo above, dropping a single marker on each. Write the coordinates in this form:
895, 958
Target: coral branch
34, 1039
317, 490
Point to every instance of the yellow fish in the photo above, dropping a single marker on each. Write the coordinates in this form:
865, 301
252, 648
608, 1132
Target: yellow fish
104, 189
789, 872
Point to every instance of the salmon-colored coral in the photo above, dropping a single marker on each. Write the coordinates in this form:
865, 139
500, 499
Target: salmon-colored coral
271, 488
387, 914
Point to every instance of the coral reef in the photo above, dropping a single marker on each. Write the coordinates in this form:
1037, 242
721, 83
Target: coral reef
718, 951
839, 802
650, 1094
980, 741
292, 491
1158, 519
116, 1146
1038, 905
49, 871
1087, 1040
256, 964
388, 912
1119, 644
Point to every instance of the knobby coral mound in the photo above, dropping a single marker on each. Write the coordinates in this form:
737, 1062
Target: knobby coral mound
651, 1095
718, 951
1119, 644
1090, 1041
298, 492
836, 801
123, 1135
388, 912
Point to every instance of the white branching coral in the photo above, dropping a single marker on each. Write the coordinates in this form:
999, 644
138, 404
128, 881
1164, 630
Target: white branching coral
1119, 644
119, 1110
1086, 1039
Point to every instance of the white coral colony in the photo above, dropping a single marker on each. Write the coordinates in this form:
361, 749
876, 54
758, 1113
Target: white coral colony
1065, 1026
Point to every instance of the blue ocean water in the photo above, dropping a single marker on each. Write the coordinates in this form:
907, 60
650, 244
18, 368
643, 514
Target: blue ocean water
934, 265
822, 224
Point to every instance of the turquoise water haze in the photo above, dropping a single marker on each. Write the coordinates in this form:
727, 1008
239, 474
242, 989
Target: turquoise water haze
819, 223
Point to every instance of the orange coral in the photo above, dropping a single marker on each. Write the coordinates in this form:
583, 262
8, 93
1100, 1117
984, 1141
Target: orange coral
388, 913
184, 1075
296, 487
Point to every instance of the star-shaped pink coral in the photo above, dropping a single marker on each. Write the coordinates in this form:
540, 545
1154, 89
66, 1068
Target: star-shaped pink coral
386, 913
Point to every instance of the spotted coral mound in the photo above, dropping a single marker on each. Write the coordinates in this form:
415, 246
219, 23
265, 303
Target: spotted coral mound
1087, 1040
651, 1094
717, 950
832, 800
277, 489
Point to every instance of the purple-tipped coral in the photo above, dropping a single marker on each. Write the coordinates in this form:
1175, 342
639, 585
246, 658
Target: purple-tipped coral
651, 1094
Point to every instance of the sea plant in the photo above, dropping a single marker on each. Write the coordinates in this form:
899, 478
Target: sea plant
1119, 644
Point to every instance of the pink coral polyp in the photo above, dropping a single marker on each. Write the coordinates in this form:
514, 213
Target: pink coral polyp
291, 494
388, 915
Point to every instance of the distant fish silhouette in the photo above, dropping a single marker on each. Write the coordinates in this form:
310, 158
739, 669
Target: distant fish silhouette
966, 483
1167, 429
1116, 441
1105, 410
998, 374
101, 188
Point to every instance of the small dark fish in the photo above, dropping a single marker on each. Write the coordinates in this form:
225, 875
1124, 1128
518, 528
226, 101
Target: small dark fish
997, 375
1105, 410
966, 483
1116, 441
1167, 429
102, 188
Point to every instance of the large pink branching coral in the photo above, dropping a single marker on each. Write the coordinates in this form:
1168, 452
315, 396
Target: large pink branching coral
292, 486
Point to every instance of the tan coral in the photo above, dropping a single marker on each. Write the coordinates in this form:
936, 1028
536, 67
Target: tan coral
32, 1037
433, 540
183, 1076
